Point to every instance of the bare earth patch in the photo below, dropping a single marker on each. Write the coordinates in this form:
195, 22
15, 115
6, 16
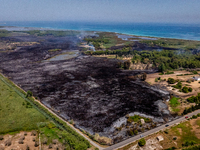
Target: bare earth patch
28, 141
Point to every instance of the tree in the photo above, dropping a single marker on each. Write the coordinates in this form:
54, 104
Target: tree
185, 89
127, 64
161, 68
144, 76
142, 142
190, 89
29, 94
171, 81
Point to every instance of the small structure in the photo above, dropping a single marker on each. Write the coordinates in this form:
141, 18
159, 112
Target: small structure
142, 121
159, 138
196, 78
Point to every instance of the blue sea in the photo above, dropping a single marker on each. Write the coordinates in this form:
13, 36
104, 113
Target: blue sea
177, 31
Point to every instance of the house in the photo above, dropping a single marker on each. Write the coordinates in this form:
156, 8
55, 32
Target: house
159, 138
196, 78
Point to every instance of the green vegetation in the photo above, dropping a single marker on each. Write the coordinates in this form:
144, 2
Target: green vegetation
171, 81
33, 119
50, 134
97, 42
142, 142
51, 33
16, 114
174, 102
194, 99
4, 33
185, 89
193, 148
178, 85
29, 94
172, 148
173, 43
136, 118
168, 72
191, 109
187, 134
54, 50
164, 60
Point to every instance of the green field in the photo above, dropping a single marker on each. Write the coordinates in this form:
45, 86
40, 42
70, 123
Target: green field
174, 102
15, 113
186, 134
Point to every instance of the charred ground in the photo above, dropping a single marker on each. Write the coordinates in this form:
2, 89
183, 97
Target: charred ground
91, 91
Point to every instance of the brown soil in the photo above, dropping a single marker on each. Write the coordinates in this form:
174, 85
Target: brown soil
15, 142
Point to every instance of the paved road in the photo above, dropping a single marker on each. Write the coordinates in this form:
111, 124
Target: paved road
130, 140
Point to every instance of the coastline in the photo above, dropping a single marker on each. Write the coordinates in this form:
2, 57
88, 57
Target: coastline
171, 31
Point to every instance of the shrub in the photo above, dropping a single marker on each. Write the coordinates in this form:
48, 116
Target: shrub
44, 141
194, 116
8, 142
50, 146
21, 141
178, 85
55, 141
189, 143
174, 138
1, 137
171, 81
166, 131
96, 149
27, 147
130, 132
190, 89
36, 144
185, 89
144, 76
33, 133
135, 132
172, 148
194, 72
191, 99
29, 94
159, 78
142, 142
33, 139
25, 133
156, 79
22, 137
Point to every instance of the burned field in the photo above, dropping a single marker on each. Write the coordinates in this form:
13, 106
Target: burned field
92, 91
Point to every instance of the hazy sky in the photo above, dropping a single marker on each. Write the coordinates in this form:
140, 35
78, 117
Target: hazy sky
180, 11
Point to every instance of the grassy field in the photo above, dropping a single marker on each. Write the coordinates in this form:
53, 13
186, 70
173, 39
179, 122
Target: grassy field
174, 103
15, 113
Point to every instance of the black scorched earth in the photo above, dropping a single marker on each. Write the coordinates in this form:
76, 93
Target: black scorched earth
92, 91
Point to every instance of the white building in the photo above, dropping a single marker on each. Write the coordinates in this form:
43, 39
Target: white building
159, 138
142, 121
196, 78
